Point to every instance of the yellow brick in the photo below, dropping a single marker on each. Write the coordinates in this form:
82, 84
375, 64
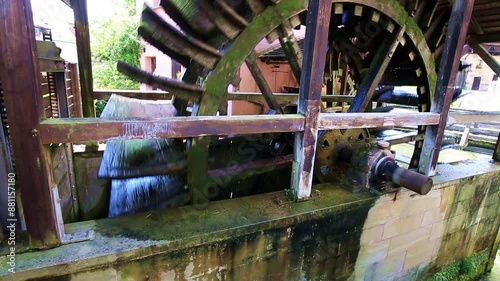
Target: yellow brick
456, 223
448, 195
438, 229
393, 264
422, 204
402, 226
433, 216
372, 253
419, 253
384, 211
467, 191
372, 235
403, 242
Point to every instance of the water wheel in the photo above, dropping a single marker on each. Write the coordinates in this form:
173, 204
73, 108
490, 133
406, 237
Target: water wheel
374, 45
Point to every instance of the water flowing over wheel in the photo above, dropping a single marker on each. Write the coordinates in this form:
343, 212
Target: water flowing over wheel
374, 46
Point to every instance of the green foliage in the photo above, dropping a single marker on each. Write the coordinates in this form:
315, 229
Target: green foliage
114, 39
99, 107
466, 269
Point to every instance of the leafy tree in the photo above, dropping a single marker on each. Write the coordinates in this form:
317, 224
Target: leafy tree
112, 39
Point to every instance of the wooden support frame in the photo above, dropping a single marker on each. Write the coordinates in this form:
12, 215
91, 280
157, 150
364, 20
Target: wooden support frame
62, 97
84, 56
75, 89
23, 100
456, 35
316, 43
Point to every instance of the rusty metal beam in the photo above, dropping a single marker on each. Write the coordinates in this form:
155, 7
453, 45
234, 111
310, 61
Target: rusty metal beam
455, 39
315, 44
84, 56
23, 98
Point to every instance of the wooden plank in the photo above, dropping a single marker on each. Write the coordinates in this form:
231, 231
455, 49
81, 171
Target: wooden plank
493, 37
66, 130
75, 89
84, 55
62, 98
315, 45
144, 95
450, 60
22, 93
331, 121
487, 57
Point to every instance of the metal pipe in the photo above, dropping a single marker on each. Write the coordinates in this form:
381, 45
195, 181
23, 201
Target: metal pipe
414, 181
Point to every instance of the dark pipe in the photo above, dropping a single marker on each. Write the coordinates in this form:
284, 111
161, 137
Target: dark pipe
413, 181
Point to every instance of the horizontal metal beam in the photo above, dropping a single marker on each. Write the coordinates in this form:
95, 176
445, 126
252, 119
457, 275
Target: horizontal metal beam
331, 121
102, 129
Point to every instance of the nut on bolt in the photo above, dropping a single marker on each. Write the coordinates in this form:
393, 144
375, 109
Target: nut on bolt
383, 144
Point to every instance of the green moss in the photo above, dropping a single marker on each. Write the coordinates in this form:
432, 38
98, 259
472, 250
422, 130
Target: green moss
463, 270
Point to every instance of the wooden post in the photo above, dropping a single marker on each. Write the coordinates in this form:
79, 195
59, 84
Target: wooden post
84, 56
22, 93
455, 39
61, 95
496, 154
316, 42
75, 89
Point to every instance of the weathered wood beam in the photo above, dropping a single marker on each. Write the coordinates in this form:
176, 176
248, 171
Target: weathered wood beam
84, 55
315, 45
455, 39
61, 94
23, 98
493, 37
487, 57
259, 78
103, 129
244, 96
75, 89
331, 121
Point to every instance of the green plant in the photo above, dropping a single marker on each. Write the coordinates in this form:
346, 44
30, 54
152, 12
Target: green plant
114, 39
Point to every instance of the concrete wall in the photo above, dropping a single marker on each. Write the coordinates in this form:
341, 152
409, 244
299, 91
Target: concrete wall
409, 237
337, 235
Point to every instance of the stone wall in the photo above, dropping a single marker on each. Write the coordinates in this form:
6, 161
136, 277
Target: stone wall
411, 237
336, 235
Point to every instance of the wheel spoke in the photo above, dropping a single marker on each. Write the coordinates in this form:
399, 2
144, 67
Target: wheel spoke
291, 49
377, 68
262, 83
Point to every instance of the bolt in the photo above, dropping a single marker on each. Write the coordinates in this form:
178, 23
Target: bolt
34, 132
383, 144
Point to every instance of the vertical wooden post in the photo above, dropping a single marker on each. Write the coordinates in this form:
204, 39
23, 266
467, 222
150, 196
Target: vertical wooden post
75, 89
84, 56
316, 42
61, 95
496, 154
20, 77
450, 60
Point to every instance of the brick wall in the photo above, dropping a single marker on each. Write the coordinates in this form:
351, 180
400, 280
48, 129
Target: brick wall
410, 237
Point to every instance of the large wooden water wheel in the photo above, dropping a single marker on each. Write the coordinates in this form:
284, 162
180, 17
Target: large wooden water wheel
375, 45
